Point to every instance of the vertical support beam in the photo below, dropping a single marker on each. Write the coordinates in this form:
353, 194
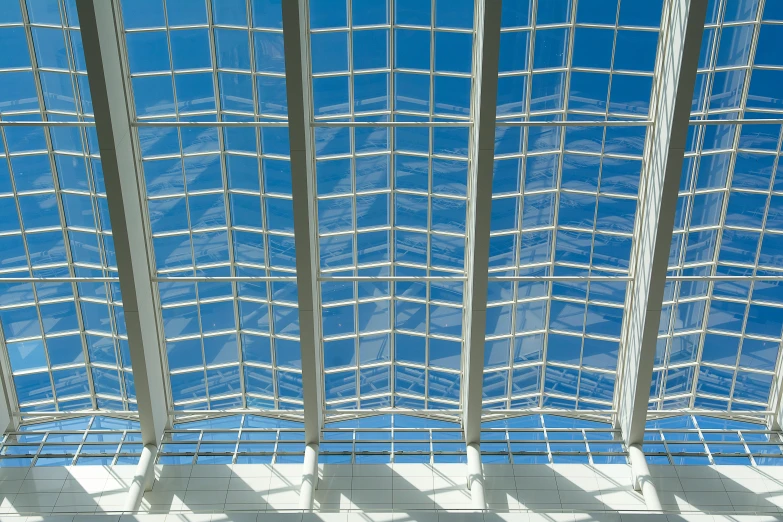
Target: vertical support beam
7, 420
297, 72
309, 478
679, 44
484, 111
642, 481
775, 418
476, 477
486, 54
142, 479
113, 108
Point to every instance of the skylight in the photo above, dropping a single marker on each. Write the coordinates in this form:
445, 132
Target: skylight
564, 199
219, 200
719, 343
66, 342
390, 128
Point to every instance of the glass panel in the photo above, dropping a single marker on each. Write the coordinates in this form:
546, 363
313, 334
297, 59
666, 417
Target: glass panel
66, 342
391, 201
719, 341
219, 199
564, 199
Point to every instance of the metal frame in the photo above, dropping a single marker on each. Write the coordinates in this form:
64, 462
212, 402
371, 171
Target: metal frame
484, 104
114, 110
711, 296
100, 230
668, 124
486, 56
678, 57
297, 44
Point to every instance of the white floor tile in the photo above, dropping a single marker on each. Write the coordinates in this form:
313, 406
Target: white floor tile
419, 483
171, 484
208, 484
211, 471
41, 486
23, 500
332, 482
371, 482
194, 498
372, 470
535, 483
251, 470
698, 472
707, 500
335, 470
412, 470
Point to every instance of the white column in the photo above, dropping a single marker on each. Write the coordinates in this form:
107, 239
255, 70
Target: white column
476, 477
642, 481
679, 44
143, 479
297, 72
309, 478
483, 112
113, 107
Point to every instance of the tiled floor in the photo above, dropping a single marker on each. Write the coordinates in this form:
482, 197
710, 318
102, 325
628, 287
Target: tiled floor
386, 488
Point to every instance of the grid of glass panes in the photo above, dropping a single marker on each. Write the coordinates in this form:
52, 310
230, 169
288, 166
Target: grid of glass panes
719, 342
392, 201
236, 439
219, 200
251, 439
66, 342
544, 439
83, 441
564, 200
703, 441
392, 438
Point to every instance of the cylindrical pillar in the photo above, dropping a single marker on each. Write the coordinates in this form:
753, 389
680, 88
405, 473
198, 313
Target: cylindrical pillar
309, 477
143, 479
476, 477
642, 481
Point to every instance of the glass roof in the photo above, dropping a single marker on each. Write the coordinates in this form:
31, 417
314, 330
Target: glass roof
219, 200
392, 202
719, 343
564, 199
389, 201
65, 342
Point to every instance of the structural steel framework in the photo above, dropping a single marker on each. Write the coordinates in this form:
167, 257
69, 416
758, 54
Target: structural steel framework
117, 126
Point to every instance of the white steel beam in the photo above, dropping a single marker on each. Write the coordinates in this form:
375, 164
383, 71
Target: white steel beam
297, 72
679, 44
8, 422
484, 111
113, 108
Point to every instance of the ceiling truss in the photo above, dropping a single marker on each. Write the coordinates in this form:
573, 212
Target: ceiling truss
116, 126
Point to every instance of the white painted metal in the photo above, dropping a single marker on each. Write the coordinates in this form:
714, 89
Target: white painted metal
309, 477
484, 112
143, 478
475, 477
642, 481
423, 124
237, 279
113, 109
8, 422
297, 44
678, 56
